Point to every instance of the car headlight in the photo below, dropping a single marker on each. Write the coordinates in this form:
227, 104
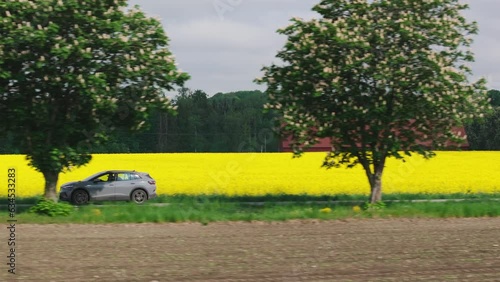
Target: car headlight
67, 187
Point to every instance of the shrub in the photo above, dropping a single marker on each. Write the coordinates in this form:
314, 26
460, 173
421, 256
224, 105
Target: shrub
367, 206
51, 208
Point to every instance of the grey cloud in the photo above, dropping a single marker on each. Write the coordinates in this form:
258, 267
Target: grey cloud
223, 44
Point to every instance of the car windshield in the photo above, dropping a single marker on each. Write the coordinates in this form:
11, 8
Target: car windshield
93, 176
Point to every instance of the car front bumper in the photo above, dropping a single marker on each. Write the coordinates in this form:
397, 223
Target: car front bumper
63, 196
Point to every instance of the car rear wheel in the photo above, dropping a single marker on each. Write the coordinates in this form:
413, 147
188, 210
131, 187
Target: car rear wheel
139, 196
80, 197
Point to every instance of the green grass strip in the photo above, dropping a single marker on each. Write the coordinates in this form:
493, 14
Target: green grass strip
216, 210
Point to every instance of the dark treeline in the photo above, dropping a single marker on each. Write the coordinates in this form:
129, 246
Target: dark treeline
229, 122
485, 134
234, 122
225, 122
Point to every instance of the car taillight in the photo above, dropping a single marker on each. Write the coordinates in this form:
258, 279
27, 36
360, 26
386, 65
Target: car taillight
152, 182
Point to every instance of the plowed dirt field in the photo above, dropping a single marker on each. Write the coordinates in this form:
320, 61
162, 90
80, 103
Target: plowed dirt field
351, 250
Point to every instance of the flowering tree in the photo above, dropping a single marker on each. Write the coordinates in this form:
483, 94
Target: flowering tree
381, 78
72, 70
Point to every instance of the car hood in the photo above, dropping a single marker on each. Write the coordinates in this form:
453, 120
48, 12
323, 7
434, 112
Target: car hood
69, 183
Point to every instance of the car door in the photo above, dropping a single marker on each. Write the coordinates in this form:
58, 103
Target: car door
124, 185
102, 187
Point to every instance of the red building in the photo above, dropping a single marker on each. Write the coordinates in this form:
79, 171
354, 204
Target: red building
324, 144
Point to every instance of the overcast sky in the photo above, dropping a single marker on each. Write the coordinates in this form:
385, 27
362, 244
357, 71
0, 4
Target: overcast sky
223, 44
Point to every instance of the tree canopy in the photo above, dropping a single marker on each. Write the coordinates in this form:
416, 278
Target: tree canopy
381, 78
72, 70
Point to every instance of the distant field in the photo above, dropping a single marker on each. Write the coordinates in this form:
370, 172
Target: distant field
257, 174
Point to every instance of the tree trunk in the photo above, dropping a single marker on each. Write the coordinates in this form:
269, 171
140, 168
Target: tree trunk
51, 185
376, 187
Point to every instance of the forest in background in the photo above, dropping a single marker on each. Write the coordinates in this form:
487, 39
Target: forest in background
224, 122
234, 122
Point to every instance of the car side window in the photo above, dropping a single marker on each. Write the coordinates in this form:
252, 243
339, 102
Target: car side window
135, 176
123, 177
103, 178
111, 177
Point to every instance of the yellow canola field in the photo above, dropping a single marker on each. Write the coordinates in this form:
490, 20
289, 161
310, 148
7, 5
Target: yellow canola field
277, 173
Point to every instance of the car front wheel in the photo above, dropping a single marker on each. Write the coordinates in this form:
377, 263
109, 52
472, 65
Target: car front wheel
139, 196
80, 197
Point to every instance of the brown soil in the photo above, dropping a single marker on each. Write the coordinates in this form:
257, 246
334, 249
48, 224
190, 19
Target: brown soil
352, 250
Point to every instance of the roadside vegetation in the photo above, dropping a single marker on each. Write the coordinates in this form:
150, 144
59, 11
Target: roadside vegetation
272, 208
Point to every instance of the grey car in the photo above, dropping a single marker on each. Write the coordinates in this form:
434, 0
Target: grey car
110, 185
